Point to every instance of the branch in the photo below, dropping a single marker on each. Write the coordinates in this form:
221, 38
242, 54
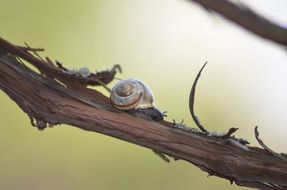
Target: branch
48, 103
247, 18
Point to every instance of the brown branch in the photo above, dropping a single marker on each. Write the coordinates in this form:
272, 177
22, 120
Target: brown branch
247, 18
49, 103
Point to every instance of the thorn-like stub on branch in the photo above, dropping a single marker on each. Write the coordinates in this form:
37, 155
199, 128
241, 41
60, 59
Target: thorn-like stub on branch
116, 68
60, 65
191, 101
162, 156
41, 124
175, 158
178, 125
229, 133
37, 121
32, 121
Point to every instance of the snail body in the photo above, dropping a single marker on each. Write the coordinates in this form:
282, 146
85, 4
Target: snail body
135, 97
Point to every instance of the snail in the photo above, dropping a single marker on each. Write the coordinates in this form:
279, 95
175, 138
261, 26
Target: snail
136, 98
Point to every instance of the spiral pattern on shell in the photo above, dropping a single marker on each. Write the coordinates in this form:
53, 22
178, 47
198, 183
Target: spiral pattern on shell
131, 94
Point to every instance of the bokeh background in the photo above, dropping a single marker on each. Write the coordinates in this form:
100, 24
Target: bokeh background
163, 43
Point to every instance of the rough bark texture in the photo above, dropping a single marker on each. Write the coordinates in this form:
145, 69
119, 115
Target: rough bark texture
48, 103
247, 18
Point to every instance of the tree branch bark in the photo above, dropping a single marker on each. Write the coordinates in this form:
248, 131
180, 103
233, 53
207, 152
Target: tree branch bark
48, 103
247, 18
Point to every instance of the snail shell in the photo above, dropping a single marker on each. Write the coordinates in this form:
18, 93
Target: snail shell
131, 94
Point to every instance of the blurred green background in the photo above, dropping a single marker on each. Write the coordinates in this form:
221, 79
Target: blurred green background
163, 43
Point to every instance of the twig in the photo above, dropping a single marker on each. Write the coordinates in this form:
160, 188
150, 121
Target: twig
30, 48
191, 101
114, 69
49, 61
162, 156
49, 69
33, 50
247, 18
265, 146
60, 65
191, 108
